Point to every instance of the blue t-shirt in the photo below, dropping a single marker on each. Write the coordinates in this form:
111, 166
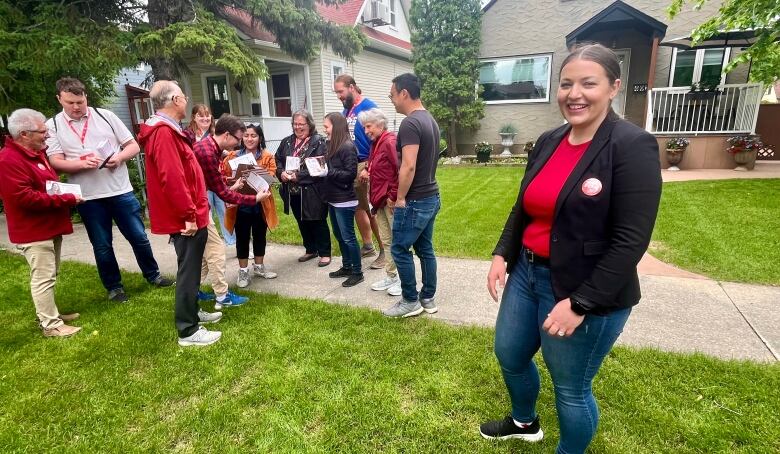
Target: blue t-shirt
356, 130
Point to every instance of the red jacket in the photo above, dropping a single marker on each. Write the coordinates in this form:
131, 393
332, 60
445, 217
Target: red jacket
32, 214
174, 180
383, 171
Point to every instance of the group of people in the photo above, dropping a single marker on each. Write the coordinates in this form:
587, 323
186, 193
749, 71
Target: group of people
567, 255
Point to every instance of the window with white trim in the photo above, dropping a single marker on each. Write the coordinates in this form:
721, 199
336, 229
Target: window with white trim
522, 79
702, 66
392, 13
336, 69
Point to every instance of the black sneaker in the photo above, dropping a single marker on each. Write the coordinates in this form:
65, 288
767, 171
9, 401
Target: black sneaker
341, 272
162, 282
506, 428
353, 280
117, 295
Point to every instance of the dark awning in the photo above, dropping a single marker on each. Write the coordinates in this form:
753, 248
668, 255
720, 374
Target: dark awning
617, 16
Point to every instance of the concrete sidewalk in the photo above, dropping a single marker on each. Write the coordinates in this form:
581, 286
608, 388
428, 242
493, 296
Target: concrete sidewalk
679, 312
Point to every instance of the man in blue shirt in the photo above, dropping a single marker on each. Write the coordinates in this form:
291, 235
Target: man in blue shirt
354, 102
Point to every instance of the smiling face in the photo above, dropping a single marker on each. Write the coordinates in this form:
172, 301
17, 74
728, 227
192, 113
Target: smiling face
34, 139
203, 120
346, 94
301, 127
251, 139
585, 93
328, 125
74, 106
373, 130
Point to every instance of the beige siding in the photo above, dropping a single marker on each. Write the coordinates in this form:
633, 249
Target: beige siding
512, 28
373, 73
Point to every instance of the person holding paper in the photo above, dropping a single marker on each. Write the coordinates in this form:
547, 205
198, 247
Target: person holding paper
254, 221
382, 171
227, 135
299, 191
178, 206
36, 220
92, 147
339, 191
201, 126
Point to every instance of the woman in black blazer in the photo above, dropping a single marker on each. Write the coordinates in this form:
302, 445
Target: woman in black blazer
582, 220
299, 191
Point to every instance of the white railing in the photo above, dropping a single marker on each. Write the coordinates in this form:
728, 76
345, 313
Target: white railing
731, 108
274, 128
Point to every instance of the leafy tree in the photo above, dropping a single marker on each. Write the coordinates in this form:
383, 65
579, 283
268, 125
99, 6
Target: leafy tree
763, 15
43, 40
445, 39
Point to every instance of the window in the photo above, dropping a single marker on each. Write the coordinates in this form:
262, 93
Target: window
516, 80
280, 84
392, 13
702, 66
336, 69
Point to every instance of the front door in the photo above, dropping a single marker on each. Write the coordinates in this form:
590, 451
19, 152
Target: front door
619, 103
219, 102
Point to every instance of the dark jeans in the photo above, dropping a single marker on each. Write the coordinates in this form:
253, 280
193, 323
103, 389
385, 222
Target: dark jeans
189, 255
413, 227
250, 223
343, 220
126, 212
572, 361
315, 234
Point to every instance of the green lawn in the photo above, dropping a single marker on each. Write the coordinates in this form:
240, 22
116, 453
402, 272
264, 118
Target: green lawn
727, 229
294, 375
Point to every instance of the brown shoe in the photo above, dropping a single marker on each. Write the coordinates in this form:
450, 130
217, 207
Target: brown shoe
380, 261
69, 317
306, 257
61, 331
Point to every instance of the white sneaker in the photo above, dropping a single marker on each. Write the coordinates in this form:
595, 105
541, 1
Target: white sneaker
243, 278
395, 290
260, 271
200, 338
385, 283
208, 317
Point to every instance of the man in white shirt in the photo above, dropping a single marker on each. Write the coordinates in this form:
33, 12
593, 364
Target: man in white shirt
92, 146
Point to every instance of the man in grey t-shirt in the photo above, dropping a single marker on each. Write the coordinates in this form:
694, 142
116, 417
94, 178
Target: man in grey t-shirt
418, 201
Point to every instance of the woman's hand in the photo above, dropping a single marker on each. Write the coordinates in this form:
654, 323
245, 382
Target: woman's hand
238, 184
497, 273
262, 195
562, 321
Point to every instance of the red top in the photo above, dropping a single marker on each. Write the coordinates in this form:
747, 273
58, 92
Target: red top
174, 181
542, 193
383, 171
31, 213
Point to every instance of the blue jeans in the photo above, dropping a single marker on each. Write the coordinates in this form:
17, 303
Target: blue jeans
125, 210
413, 227
343, 223
218, 206
572, 361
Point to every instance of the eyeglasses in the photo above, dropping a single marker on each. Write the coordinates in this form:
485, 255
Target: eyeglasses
235, 137
300, 125
173, 98
39, 131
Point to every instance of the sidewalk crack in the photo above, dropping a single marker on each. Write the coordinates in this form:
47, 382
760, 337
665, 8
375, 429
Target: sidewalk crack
753, 328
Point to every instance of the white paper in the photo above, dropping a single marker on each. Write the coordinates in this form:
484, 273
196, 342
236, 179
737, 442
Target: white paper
317, 166
243, 159
104, 148
293, 163
58, 188
257, 182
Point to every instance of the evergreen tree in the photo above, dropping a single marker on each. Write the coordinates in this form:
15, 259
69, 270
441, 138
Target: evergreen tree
445, 40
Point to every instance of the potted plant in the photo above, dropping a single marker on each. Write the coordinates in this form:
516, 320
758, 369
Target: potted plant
483, 150
507, 133
744, 149
675, 147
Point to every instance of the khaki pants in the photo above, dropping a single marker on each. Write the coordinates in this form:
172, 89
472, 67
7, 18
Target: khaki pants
214, 261
44, 260
384, 221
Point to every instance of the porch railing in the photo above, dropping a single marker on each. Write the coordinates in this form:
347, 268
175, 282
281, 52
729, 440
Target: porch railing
731, 108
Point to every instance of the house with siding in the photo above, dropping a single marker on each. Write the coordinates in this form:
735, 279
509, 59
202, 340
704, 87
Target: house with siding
524, 43
295, 85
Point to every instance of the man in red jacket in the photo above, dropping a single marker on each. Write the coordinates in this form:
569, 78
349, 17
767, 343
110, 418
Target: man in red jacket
178, 206
36, 220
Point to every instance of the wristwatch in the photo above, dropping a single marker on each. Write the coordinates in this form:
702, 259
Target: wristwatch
577, 307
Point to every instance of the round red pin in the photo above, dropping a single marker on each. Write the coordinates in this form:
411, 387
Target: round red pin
591, 187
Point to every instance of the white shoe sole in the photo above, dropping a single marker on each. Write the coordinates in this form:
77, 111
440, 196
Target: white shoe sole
205, 322
413, 313
380, 288
185, 343
266, 276
238, 284
432, 310
531, 438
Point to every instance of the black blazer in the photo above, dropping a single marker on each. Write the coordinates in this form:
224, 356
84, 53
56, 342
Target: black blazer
596, 241
312, 207
339, 184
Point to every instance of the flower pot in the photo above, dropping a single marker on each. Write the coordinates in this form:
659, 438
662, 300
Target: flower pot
745, 160
507, 140
673, 157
